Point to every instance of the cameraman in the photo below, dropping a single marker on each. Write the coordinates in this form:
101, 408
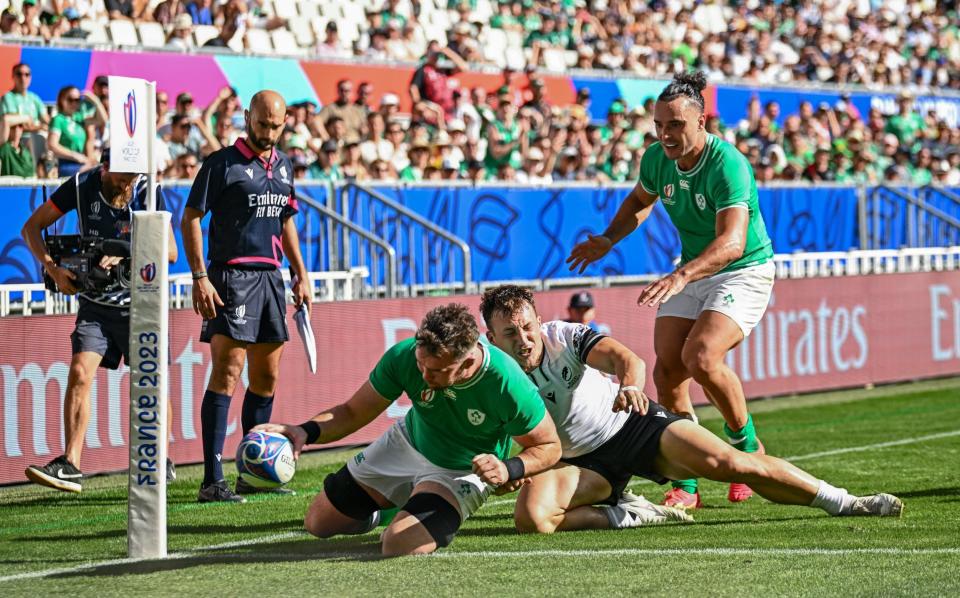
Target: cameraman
104, 201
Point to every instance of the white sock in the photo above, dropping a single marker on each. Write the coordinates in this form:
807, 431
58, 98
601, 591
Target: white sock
833, 500
618, 516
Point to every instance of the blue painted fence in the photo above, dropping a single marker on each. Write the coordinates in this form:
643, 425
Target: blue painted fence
525, 233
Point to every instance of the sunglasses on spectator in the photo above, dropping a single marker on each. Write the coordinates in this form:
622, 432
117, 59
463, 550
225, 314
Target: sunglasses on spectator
24, 74
73, 99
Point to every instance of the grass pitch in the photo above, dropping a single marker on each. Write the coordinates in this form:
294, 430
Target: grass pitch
904, 440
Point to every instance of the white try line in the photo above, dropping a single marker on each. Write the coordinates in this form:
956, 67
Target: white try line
237, 557
693, 552
192, 553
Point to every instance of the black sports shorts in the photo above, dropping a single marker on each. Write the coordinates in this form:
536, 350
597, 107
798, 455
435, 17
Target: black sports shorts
102, 330
630, 452
254, 306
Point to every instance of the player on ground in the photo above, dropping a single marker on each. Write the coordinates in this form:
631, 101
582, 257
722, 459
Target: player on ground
720, 290
441, 462
611, 431
248, 189
104, 201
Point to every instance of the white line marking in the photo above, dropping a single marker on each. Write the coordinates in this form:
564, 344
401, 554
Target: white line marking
879, 445
510, 554
696, 551
626, 551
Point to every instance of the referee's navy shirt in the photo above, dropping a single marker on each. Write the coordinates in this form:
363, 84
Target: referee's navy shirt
249, 199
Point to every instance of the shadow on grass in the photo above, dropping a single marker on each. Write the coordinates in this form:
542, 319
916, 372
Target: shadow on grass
206, 530
333, 550
952, 493
63, 499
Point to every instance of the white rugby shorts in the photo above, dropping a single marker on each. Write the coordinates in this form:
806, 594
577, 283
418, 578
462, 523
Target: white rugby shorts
742, 295
392, 467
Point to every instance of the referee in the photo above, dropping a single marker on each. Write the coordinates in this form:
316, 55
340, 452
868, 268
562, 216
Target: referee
248, 190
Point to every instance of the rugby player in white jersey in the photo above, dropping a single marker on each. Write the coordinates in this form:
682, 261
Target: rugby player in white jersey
610, 431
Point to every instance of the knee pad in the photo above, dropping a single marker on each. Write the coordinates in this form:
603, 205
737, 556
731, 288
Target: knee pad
439, 517
346, 495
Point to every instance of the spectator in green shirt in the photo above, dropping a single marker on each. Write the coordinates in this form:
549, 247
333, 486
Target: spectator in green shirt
20, 100
69, 137
14, 159
327, 166
906, 124
419, 154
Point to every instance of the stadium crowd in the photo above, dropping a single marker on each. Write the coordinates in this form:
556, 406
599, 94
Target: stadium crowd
870, 42
512, 133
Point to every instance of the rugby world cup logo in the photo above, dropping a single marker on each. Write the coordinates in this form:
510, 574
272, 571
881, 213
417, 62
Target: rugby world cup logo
148, 272
130, 113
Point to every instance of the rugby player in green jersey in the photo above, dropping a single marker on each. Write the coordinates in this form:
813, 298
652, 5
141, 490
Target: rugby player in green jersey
441, 462
720, 290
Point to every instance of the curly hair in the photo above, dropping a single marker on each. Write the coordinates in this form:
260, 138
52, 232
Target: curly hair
505, 299
688, 85
448, 330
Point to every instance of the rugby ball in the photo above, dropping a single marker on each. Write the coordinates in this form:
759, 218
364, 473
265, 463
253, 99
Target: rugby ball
265, 460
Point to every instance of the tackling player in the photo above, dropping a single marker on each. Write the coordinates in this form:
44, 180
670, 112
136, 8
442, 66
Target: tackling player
611, 431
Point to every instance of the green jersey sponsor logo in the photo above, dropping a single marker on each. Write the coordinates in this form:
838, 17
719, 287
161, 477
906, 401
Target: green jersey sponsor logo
701, 201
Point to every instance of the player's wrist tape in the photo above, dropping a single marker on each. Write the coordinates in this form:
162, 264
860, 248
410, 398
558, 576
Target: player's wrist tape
199, 275
626, 388
312, 429
515, 468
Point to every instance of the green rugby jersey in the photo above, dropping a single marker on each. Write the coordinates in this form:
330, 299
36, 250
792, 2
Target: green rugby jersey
451, 426
721, 179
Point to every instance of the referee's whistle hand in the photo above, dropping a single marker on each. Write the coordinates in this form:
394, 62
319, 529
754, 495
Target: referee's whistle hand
205, 299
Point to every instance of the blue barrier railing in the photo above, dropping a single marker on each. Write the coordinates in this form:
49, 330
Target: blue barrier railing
527, 232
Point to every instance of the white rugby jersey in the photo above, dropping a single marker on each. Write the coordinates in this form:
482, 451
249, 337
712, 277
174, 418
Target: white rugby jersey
578, 397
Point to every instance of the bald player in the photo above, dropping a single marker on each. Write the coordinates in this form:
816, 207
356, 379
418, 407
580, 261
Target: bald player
248, 190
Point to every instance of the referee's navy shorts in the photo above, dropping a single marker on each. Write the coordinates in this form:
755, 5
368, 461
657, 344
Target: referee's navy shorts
630, 452
102, 330
254, 306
